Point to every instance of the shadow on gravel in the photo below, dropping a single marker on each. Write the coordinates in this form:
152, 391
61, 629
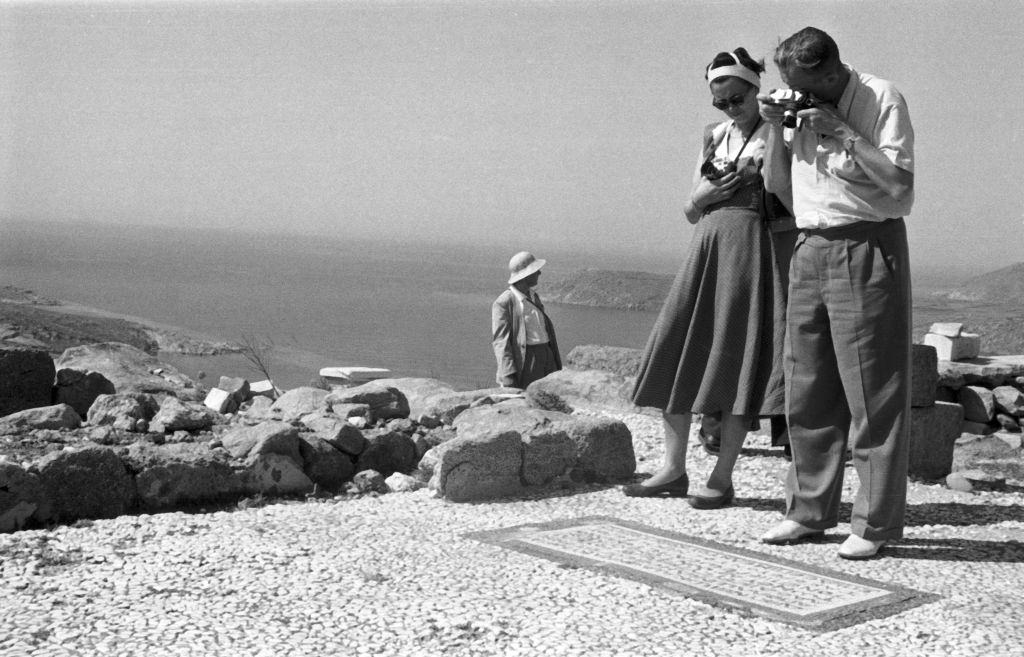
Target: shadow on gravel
961, 515
957, 549
956, 514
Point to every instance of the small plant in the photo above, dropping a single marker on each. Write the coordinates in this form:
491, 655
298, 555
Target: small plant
256, 350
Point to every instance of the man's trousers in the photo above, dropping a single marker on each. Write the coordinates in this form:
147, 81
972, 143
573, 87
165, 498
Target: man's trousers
847, 368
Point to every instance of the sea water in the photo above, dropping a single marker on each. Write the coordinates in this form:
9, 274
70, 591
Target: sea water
416, 309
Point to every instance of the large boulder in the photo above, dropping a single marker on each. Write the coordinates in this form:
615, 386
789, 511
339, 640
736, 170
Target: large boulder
271, 437
181, 474
297, 402
385, 401
23, 499
323, 464
86, 482
58, 416
388, 452
26, 379
80, 389
127, 411
583, 389
604, 448
176, 415
130, 369
478, 465
624, 361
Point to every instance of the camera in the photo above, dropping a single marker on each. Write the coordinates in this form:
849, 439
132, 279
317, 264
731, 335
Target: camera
716, 167
794, 101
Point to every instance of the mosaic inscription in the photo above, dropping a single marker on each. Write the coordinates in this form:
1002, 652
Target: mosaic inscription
751, 581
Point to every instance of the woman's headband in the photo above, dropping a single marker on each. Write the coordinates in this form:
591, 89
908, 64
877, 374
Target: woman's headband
736, 70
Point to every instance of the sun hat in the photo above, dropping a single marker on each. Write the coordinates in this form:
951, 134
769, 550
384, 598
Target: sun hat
522, 265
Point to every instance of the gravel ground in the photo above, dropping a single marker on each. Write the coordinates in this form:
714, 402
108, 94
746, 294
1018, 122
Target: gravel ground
392, 575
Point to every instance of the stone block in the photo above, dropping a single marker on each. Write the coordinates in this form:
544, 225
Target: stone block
924, 375
947, 329
978, 402
988, 371
264, 388
964, 346
933, 434
220, 401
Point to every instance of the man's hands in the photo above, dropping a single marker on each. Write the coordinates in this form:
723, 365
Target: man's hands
821, 119
770, 111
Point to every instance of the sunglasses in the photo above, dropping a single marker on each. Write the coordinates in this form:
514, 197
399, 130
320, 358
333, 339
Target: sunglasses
735, 101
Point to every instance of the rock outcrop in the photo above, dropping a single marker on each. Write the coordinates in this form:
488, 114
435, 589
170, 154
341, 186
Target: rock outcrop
129, 369
26, 379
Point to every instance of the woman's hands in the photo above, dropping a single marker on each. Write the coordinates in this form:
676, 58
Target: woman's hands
707, 192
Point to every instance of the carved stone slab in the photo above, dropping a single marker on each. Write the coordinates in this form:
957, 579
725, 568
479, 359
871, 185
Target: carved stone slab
741, 580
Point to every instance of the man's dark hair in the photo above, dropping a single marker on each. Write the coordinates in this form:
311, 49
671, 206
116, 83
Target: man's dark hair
810, 50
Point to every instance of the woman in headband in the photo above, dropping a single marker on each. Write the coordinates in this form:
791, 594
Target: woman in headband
716, 347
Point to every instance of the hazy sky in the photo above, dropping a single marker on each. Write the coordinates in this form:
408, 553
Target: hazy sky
520, 122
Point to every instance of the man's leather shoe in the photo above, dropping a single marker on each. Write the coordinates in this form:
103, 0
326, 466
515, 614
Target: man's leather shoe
855, 548
712, 501
789, 531
675, 488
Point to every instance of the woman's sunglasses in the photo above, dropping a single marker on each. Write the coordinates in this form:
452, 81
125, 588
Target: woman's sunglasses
724, 103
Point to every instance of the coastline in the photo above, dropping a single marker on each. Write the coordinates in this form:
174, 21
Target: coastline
27, 319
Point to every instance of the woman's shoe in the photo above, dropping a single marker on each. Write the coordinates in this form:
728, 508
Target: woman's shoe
675, 488
711, 444
712, 501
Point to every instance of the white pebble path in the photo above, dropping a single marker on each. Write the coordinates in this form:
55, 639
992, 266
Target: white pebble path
392, 575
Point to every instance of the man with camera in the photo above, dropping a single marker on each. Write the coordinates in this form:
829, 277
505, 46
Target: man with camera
846, 149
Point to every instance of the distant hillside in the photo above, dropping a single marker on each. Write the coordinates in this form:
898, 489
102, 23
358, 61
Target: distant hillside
625, 290
1001, 286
